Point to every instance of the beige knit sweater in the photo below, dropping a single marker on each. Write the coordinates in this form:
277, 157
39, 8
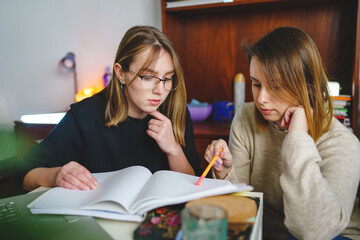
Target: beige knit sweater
309, 188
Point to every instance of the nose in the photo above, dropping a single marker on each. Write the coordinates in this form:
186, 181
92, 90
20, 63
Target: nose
263, 96
159, 89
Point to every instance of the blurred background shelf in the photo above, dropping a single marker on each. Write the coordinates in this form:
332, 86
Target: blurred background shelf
208, 40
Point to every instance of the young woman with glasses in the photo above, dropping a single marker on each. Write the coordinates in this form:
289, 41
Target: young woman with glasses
140, 118
288, 145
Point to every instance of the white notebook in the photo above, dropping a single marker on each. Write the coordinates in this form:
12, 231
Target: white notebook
129, 193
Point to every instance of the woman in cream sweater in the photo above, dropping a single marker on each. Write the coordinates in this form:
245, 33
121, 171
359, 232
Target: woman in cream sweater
288, 145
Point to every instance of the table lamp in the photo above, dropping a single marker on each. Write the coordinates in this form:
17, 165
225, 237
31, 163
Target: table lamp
68, 63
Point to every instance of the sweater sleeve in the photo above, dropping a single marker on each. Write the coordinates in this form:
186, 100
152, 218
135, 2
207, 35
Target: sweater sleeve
319, 183
238, 145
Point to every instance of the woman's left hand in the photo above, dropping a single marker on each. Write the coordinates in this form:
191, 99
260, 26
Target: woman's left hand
294, 119
160, 129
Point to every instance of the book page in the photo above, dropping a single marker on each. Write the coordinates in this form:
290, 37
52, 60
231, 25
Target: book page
120, 186
93, 213
123, 187
169, 187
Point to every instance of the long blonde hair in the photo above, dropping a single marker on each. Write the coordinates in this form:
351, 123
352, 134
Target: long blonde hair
136, 40
295, 71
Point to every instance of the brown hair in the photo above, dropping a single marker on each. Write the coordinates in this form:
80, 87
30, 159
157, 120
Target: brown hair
136, 40
294, 70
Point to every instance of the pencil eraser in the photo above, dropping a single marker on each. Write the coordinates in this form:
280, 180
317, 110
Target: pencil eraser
199, 181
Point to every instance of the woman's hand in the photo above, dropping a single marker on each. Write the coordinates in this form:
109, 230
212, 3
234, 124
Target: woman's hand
160, 129
75, 176
223, 163
294, 119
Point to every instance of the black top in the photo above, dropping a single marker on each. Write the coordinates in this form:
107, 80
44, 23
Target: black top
82, 137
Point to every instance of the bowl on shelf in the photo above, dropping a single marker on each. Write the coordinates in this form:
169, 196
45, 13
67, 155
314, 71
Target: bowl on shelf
200, 113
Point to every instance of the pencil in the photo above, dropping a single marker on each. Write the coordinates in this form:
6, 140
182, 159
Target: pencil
207, 169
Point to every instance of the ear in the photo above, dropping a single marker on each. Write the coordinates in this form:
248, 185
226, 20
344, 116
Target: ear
119, 72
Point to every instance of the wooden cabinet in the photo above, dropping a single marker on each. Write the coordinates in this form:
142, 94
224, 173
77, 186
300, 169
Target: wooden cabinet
28, 135
208, 40
206, 132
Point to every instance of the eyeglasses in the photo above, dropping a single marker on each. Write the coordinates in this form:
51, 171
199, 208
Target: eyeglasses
149, 82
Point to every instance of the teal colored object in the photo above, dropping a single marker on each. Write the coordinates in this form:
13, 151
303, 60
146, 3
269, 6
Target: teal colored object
204, 222
223, 111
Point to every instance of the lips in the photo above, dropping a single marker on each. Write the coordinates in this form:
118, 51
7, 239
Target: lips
154, 102
266, 111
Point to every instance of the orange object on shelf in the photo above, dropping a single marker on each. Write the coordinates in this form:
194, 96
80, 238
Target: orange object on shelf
85, 93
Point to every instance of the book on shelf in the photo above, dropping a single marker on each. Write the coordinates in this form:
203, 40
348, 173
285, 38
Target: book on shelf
129, 193
188, 3
342, 109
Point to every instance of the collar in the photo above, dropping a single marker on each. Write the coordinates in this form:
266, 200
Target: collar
274, 125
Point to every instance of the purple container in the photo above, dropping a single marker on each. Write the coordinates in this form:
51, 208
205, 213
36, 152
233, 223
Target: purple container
199, 114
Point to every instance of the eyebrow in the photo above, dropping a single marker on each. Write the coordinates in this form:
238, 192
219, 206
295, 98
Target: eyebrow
152, 71
254, 79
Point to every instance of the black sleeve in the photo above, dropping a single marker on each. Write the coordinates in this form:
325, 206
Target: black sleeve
63, 144
190, 150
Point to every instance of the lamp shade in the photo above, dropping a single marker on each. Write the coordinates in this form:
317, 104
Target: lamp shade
68, 61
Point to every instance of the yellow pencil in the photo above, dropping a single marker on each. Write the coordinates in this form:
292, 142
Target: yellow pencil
207, 169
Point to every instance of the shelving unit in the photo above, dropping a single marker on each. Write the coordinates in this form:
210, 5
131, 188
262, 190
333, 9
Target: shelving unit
208, 39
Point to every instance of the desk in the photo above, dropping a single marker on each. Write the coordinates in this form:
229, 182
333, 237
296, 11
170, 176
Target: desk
124, 230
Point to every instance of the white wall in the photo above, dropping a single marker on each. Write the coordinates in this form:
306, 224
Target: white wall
36, 34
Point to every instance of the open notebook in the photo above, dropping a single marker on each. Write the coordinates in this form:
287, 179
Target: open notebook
129, 193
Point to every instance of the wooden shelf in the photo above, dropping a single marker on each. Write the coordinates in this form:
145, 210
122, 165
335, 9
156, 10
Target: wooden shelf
28, 135
206, 132
211, 128
246, 4
208, 40
33, 131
